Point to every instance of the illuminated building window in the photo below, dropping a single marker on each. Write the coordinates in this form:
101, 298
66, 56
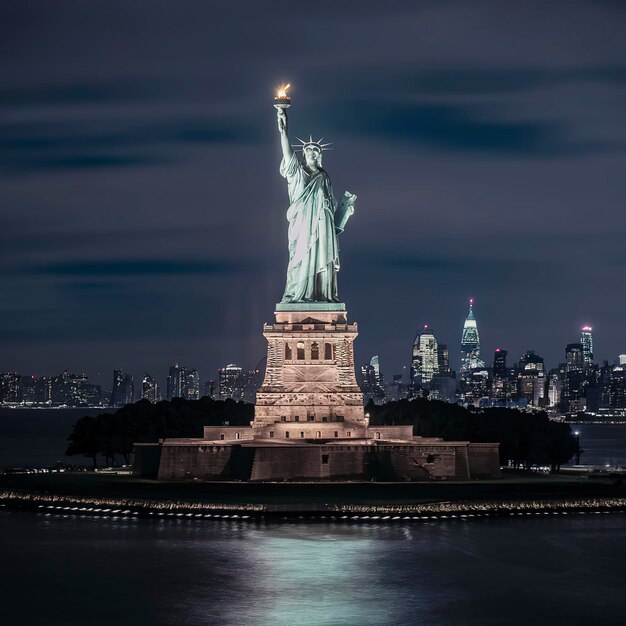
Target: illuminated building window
300, 351
315, 351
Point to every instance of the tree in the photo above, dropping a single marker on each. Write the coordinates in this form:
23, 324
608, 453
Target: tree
112, 434
525, 439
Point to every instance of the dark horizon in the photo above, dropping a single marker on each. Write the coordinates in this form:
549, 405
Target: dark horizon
144, 215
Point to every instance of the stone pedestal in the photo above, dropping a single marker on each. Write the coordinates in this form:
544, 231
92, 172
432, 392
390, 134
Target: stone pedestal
309, 380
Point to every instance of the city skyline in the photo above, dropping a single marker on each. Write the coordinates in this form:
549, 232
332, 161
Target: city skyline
485, 166
455, 349
428, 368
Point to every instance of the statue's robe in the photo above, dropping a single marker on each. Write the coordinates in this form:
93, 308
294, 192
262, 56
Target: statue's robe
313, 249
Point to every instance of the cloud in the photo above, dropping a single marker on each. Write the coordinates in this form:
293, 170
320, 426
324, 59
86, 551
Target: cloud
35, 147
468, 81
84, 93
455, 127
32, 163
139, 267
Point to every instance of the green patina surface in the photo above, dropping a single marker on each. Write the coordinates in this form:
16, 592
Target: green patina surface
310, 306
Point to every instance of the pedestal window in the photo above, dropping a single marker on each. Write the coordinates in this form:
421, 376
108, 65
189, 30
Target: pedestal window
315, 351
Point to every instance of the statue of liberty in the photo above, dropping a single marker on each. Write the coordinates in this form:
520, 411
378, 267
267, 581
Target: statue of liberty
315, 219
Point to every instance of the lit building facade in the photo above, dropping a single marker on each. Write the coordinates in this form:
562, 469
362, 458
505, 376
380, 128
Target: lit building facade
191, 390
502, 387
10, 388
232, 382
586, 341
35, 390
150, 389
425, 362
531, 378
372, 384
73, 390
470, 344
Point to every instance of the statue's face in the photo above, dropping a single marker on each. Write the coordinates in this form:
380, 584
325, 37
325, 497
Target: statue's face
312, 156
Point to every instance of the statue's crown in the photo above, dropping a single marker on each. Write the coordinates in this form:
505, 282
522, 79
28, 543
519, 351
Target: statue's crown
312, 143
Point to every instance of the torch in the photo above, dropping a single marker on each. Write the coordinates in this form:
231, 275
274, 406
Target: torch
282, 100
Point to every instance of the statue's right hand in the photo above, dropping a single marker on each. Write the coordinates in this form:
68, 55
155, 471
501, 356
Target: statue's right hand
282, 121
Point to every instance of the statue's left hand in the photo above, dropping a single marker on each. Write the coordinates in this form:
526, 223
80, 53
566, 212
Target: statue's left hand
349, 201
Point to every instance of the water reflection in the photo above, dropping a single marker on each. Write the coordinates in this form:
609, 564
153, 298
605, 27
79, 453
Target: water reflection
119, 571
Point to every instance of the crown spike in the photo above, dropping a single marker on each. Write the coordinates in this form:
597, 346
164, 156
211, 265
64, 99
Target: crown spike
312, 142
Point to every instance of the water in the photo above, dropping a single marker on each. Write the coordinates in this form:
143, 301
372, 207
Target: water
38, 438
603, 444
74, 570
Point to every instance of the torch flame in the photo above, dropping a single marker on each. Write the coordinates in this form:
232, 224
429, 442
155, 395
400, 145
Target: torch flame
282, 91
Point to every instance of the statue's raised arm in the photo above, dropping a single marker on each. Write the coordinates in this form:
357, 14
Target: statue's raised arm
281, 115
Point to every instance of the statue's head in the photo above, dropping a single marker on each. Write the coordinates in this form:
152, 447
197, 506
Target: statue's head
312, 155
312, 151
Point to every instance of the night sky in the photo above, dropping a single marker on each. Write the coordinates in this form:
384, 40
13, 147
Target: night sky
142, 215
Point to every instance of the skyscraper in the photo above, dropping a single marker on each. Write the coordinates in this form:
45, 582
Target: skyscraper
572, 399
73, 390
574, 357
555, 387
531, 378
252, 382
10, 388
586, 340
191, 390
149, 389
501, 387
470, 344
183, 383
208, 389
175, 382
499, 363
425, 363
123, 390
36, 390
231, 382
372, 384
443, 361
